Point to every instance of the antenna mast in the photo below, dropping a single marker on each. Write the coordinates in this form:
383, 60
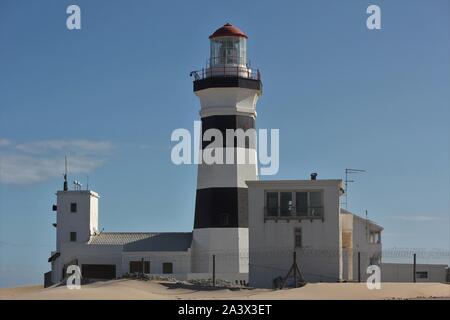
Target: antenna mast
347, 172
65, 174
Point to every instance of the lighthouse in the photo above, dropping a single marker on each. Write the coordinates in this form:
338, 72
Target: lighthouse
228, 90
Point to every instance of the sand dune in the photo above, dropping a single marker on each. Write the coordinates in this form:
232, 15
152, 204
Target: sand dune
154, 290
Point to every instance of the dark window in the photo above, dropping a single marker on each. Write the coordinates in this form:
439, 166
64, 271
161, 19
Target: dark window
136, 267
298, 237
285, 203
73, 207
422, 274
301, 202
272, 203
167, 267
224, 219
73, 236
315, 204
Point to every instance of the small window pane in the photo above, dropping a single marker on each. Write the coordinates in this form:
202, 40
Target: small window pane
167, 267
272, 203
73, 236
315, 204
301, 202
73, 207
285, 203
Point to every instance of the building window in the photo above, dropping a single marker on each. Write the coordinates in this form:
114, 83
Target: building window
375, 237
301, 203
136, 267
272, 203
298, 237
73, 236
224, 219
294, 203
315, 204
285, 203
167, 267
73, 207
422, 274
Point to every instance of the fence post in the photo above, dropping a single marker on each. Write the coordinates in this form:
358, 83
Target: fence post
295, 269
359, 266
214, 270
414, 268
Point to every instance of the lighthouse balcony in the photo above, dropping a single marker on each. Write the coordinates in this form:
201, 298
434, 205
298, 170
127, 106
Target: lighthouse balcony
224, 76
233, 71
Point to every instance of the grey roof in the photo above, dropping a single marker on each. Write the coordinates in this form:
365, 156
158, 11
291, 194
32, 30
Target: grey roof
145, 241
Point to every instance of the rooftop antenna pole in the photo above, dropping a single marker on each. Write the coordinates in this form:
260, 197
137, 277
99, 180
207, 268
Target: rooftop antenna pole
347, 181
65, 174
87, 183
367, 229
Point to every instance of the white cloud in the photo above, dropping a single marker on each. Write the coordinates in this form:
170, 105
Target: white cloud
42, 160
418, 218
4, 142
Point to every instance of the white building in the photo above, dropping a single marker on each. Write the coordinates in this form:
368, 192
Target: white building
305, 216
249, 226
404, 272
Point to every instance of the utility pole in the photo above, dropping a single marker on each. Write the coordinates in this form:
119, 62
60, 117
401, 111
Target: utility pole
414, 268
214, 270
347, 181
359, 266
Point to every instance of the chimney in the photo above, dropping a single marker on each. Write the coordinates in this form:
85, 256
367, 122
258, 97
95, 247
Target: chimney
313, 176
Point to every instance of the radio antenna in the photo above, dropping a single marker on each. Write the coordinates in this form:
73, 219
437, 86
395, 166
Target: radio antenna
65, 174
347, 181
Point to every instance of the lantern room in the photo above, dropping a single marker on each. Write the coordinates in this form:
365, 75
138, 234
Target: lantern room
228, 47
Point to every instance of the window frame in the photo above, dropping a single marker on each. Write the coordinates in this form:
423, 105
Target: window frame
73, 207
294, 213
73, 236
164, 264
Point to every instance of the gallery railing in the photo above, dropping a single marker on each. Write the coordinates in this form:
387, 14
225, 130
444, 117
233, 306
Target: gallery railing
226, 71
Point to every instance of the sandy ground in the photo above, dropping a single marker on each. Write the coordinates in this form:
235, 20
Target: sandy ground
134, 289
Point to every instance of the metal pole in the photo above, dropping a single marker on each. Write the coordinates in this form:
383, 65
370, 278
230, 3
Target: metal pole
414, 268
142, 262
346, 188
295, 269
214, 270
359, 266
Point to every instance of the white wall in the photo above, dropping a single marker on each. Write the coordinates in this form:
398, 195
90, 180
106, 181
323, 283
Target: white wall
181, 261
359, 230
84, 222
230, 245
402, 272
271, 243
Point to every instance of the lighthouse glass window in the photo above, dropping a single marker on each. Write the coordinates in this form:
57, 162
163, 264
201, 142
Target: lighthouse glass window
228, 51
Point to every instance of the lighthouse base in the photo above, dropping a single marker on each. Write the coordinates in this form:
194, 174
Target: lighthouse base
229, 246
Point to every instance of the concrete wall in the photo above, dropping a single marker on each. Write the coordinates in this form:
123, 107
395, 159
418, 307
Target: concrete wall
402, 272
181, 261
84, 222
271, 243
358, 229
230, 245
114, 255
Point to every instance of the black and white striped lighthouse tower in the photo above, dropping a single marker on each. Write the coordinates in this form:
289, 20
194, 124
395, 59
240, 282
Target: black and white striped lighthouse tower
228, 90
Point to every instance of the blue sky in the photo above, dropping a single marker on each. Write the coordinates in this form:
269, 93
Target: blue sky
110, 95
